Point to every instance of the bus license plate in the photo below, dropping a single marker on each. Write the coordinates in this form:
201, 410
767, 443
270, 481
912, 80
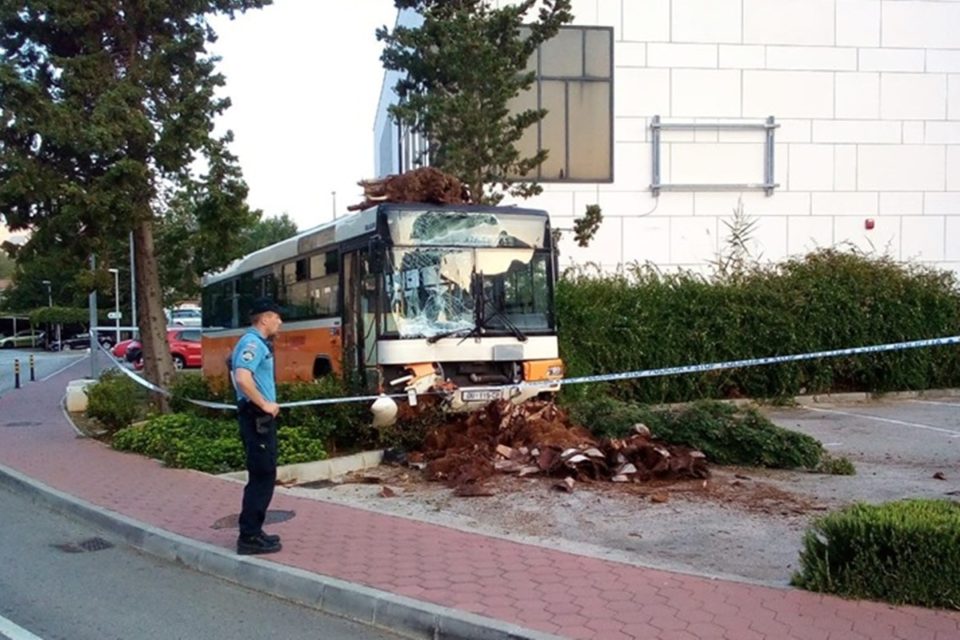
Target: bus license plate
480, 395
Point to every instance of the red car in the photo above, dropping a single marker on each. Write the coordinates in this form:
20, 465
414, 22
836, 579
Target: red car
185, 347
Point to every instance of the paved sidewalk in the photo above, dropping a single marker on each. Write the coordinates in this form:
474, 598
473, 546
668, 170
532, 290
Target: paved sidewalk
532, 587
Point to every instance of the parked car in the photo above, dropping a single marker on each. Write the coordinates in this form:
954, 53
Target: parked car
185, 317
120, 349
28, 338
79, 341
185, 347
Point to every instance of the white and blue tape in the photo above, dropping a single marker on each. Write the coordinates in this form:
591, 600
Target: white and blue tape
608, 377
232, 407
755, 362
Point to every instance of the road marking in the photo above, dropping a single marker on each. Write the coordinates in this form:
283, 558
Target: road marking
942, 404
915, 425
12, 631
62, 369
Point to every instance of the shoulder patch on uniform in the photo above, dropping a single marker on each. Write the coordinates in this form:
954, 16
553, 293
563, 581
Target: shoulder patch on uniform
248, 355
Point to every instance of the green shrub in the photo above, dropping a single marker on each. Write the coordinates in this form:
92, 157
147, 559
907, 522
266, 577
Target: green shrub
296, 445
643, 319
116, 401
341, 425
905, 552
726, 434
195, 386
836, 466
185, 440
334, 426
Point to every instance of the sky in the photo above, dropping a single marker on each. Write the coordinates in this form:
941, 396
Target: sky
304, 77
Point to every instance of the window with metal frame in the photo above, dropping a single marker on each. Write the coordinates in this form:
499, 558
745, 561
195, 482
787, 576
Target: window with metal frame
575, 85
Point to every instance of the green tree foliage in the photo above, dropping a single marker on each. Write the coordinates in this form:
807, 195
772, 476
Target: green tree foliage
586, 227
7, 266
209, 225
460, 70
106, 105
268, 231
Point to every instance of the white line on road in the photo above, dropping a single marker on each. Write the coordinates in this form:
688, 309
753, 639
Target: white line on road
12, 631
62, 369
915, 425
942, 404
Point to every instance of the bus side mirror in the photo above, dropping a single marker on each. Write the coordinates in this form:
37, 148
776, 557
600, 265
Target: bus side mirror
376, 255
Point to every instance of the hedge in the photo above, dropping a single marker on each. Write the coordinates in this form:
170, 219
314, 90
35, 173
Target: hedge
905, 552
640, 318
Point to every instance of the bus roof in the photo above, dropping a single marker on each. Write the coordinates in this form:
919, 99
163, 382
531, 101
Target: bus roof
339, 230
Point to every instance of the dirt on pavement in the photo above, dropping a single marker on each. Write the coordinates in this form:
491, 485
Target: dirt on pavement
739, 523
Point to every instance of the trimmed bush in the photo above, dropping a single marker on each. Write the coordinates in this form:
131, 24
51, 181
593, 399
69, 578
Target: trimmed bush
189, 441
336, 426
905, 552
726, 434
193, 385
341, 425
116, 401
643, 319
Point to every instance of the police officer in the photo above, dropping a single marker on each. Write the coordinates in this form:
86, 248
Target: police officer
252, 367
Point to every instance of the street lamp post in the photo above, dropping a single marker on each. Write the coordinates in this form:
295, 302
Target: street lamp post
50, 304
116, 301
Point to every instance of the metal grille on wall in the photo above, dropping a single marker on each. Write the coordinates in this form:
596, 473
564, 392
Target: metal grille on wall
768, 127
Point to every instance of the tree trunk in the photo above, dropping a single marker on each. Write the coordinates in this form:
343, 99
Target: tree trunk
157, 363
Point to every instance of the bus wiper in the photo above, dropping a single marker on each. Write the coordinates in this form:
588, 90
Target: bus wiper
483, 320
514, 329
447, 334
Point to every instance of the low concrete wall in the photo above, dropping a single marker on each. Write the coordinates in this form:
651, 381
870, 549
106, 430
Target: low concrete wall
319, 470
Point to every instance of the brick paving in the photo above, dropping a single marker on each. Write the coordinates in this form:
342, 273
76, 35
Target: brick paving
552, 591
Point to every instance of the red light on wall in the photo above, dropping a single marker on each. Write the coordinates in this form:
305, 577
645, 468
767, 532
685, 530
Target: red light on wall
869, 223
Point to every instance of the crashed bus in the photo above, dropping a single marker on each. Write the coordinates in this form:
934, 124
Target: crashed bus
404, 298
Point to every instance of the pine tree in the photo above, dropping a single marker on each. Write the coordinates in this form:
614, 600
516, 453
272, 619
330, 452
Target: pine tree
104, 106
460, 70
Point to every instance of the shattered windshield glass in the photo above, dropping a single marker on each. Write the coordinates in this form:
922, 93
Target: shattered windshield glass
441, 257
428, 291
466, 229
435, 290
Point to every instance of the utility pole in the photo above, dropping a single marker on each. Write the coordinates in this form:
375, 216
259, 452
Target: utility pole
93, 323
134, 322
334, 194
116, 303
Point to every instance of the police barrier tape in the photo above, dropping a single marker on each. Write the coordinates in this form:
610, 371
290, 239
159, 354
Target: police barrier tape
232, 407
609, 377
755, 362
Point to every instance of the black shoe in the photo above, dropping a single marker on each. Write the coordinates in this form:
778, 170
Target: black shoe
270, 537
258, 544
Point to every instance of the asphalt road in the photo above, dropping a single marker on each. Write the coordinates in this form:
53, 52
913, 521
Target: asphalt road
118, 593
47, 363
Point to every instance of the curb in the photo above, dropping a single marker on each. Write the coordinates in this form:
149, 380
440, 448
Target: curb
306, 472
395, 613
868, 396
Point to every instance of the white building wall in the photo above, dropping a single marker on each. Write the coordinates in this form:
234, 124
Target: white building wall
867, 95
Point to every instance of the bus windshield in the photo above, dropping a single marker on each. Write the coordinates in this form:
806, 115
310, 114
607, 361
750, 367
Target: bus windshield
443, 290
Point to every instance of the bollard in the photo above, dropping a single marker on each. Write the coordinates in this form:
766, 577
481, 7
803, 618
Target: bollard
33, 375
16, 374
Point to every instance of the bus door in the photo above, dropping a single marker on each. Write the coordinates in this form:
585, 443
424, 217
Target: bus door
359, 316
